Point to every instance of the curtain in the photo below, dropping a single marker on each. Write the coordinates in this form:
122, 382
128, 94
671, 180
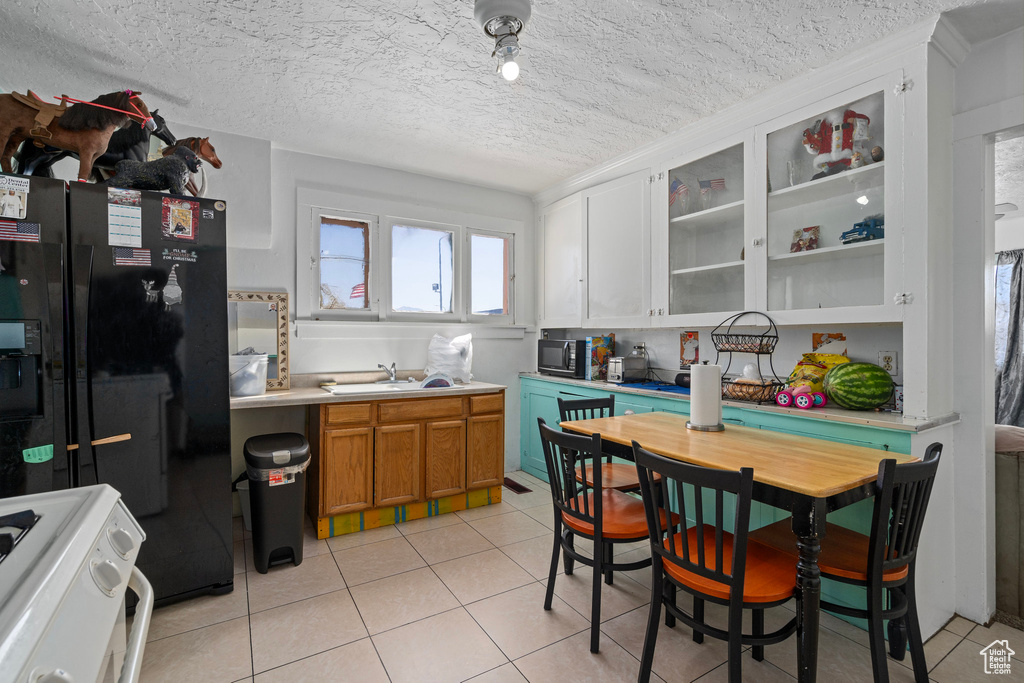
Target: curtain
1009, 342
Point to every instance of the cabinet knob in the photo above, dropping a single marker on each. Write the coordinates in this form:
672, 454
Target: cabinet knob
757, 241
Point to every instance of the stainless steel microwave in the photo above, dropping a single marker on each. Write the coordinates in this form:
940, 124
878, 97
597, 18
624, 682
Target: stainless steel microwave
563, 357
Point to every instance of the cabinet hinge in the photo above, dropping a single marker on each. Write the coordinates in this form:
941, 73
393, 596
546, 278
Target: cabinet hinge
903, 87
903, 298
757, 241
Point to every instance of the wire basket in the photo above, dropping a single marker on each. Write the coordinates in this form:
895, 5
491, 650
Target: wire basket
748, 391
729, 341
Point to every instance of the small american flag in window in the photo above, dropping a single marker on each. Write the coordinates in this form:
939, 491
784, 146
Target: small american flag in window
358, 291
19, 231
126, 256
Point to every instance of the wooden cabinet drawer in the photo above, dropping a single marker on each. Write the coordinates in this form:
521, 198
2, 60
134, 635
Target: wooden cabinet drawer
348, 413
424, 409
489, 403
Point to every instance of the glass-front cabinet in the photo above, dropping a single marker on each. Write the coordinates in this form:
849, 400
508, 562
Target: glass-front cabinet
826, 209
706, 234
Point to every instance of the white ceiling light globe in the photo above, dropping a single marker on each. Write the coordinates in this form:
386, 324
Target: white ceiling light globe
510, 70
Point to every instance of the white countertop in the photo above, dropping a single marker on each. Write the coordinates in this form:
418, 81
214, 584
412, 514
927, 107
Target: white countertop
316, 395
869, 418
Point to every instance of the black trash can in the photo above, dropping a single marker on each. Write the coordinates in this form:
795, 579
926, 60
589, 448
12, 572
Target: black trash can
276, 464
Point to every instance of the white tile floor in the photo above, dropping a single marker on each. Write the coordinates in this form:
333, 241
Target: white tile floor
459, 597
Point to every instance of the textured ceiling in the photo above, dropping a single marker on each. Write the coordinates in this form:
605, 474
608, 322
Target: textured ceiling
410, 84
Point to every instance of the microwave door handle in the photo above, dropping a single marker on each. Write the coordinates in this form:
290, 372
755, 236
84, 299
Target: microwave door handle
565, 356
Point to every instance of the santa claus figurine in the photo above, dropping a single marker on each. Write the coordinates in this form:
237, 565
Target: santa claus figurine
831, 140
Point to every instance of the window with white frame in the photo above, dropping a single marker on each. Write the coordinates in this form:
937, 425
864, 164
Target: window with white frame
490, 274
409, 270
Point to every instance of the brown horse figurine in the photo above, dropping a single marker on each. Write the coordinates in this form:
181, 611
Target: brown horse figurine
203, 149
84, 128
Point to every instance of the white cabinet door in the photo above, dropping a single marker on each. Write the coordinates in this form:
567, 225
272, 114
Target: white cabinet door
561, 269
618, 251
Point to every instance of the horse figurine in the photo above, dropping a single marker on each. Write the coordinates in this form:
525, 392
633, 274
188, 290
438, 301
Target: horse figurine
166, 173
82, 127
126, 143
206, 152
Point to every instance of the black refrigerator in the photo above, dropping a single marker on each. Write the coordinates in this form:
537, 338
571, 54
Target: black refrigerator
113, 364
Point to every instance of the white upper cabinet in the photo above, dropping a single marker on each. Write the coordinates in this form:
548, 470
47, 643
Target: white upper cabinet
617, 285
561, 264
700, 234
832, 244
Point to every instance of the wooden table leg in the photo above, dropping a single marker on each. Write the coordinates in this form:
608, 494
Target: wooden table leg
809, 527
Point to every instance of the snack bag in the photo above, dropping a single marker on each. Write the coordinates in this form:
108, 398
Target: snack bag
811, 369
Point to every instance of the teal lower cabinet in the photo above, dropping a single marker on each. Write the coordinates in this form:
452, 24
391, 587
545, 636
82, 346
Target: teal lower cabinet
539, 399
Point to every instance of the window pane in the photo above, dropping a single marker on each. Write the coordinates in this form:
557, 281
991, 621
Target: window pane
421, 269
344, 263
489, 263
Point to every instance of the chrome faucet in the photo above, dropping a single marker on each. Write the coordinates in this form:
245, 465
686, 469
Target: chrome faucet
391, 371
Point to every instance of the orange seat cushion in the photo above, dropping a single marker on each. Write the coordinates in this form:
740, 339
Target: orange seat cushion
844, 553
614, 475
770, 575
622, 516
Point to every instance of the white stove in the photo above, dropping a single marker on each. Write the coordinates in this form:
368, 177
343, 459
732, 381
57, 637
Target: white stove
66, 561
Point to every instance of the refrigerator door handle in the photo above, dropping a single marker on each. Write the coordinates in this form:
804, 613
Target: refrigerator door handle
81, 284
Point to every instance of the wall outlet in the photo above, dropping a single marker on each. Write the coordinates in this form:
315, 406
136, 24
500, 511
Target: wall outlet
890, 361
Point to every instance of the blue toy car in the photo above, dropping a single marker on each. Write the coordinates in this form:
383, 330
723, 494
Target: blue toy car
868, 229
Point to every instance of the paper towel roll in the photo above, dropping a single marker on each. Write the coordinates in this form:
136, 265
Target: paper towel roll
705, 397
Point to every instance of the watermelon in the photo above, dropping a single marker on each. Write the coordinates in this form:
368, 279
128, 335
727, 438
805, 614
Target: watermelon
858, 386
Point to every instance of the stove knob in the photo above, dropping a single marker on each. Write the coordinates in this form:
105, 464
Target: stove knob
121, 541
55, 676
106, 576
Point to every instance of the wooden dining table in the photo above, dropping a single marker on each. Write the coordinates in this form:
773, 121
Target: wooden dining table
807, 476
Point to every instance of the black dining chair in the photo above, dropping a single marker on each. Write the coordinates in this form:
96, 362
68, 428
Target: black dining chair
604, 515
707, 560
614, 475
884, 562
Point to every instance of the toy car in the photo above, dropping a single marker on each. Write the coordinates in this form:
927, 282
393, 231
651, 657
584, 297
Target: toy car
803, 397
868, 229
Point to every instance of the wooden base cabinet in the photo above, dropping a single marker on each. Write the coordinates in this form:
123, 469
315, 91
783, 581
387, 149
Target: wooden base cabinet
381, 454
396, 464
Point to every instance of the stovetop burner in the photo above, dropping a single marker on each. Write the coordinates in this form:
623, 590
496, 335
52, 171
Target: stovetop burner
13, 528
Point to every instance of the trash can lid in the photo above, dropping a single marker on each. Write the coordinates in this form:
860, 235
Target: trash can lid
270, 451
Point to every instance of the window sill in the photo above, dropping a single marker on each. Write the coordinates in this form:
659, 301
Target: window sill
355, 329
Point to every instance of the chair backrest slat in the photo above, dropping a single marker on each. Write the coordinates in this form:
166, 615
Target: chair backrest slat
901, 501
679, 546
566, 455
586, 408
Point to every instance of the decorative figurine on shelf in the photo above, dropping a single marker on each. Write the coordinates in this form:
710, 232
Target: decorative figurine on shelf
82, 127
831, 140
877, 154
805, 240
857, 160
868, 229
126, 143
205, 151
169, 173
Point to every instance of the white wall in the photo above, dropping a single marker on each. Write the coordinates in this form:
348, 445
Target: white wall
989, 97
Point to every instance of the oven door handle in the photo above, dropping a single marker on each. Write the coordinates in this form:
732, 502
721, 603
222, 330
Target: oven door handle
131, 670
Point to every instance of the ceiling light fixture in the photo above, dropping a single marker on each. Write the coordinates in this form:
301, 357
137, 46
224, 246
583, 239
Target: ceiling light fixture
503, 20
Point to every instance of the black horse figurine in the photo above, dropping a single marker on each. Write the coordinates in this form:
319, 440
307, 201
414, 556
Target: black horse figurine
127, 143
